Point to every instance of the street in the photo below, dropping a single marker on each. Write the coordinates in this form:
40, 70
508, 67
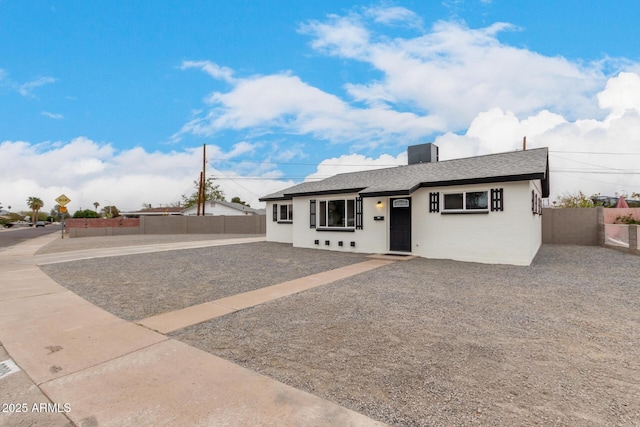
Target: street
10, 237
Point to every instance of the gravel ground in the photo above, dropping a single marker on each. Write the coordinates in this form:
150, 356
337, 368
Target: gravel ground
137, 286
415, 343
434, 342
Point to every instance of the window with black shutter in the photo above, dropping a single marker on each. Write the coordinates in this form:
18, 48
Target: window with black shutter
275, 212
533, 202
434, 202
497, 199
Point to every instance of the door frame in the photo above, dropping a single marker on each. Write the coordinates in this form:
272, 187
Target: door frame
408, 226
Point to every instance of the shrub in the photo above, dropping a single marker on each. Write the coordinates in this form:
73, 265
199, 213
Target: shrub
626, 219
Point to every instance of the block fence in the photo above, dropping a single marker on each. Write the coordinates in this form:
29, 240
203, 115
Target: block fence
247, 224
586, 226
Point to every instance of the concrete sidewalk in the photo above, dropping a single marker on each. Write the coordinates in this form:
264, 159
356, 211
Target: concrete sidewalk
97, 369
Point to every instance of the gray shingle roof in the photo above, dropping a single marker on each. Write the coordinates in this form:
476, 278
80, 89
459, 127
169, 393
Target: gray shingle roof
513, 166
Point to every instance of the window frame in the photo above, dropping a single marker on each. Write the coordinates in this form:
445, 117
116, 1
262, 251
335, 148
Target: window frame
288, 213
349, 207
464, 208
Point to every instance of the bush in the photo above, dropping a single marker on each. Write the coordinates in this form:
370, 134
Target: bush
87, 213
626, 219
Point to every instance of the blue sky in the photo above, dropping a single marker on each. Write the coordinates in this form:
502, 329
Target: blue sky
112, 101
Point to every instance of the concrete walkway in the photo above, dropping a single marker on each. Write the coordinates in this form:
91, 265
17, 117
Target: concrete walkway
98, 369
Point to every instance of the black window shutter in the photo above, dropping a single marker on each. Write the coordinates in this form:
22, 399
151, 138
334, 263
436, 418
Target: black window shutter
497, 199
359, 213
434, 202
275, 212
312, 214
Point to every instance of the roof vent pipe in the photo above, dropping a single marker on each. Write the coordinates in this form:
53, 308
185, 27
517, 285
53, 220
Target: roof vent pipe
422, 153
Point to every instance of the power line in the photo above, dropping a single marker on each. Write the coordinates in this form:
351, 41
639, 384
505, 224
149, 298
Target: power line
268, 162
594, 152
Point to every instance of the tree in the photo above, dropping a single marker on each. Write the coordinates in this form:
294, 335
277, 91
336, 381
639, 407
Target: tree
211, 192
238, 200
110, 211
35, 204
579, 200
95, 205
55, 213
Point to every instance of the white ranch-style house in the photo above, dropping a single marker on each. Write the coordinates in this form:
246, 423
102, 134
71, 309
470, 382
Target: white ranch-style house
480, 209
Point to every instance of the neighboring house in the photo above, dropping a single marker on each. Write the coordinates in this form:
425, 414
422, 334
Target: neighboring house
481, 209
612, 201
166, 211
218, 208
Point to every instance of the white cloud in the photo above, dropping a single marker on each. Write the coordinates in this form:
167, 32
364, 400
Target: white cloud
574, 145
435, 82
213, 69
481, 95
87, 171
26, 89
622, 94
355, 163
52, 115
286, 103
588, 155
394, 15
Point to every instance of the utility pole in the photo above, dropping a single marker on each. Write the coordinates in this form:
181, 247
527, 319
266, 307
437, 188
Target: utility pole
204, 179
202, 188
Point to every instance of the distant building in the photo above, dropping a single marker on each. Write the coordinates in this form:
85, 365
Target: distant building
166, 211
219, 207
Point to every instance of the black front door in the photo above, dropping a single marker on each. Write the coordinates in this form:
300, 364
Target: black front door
400, 225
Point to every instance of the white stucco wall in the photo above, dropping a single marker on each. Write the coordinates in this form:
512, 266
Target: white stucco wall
278, 231
512, 236
371, 239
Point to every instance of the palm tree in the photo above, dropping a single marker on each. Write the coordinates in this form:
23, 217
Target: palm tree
95, 205
35, 204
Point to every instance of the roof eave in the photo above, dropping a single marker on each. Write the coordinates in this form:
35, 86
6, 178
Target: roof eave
325, 192
485, 180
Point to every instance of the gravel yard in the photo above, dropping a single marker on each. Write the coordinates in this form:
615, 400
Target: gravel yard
415, 343
137, 286
433, 342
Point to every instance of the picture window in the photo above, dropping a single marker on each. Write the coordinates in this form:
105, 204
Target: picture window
466, 201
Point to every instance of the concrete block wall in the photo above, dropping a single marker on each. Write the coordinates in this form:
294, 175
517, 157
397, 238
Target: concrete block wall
86, 227
247, 224
572, 226
175, 224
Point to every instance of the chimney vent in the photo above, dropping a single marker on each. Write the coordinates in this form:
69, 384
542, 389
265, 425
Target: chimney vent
422, 153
